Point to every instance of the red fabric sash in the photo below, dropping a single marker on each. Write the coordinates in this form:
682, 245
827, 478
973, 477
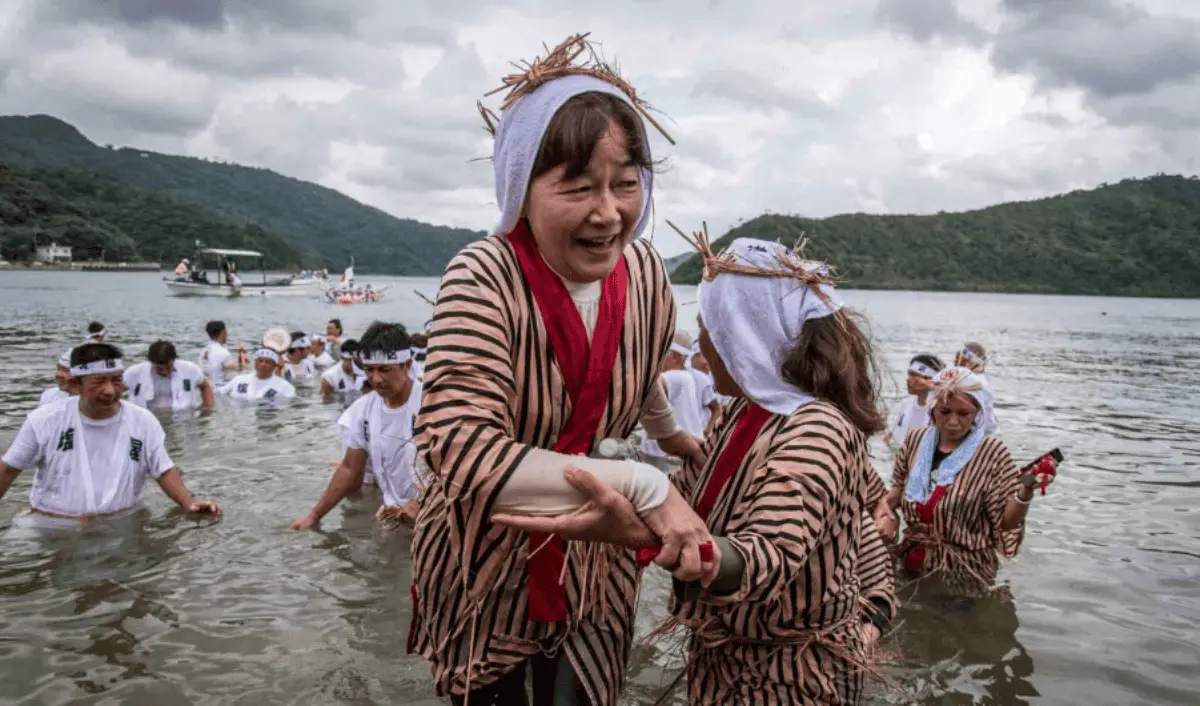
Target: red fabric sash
914, 560
750, 422
587, 372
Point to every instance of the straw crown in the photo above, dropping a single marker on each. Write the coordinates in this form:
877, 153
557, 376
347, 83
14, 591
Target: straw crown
563, 60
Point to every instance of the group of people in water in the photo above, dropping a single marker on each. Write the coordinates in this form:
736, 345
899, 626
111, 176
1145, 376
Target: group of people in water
550, 340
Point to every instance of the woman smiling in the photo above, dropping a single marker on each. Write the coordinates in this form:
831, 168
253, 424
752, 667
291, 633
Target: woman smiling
547, 338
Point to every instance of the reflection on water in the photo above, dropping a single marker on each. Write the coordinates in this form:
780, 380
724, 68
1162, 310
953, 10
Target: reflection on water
161, 608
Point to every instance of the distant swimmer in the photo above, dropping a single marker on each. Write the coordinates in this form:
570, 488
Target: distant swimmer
317, 352
94, 452
65, 385
345, 377
261, 385
165, 382
974, 358
95, 333
298, 368
378, 428
215, 358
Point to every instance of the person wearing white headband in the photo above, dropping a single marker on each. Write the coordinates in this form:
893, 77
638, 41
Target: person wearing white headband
688, 403
262, 385
317, 353
95, 333
215, 357
420, 343
65, 386
344, 378
974, 357
805, 580
298, 366
549, 337
165, 382
378, 428
93, 453
914, 413
961, 496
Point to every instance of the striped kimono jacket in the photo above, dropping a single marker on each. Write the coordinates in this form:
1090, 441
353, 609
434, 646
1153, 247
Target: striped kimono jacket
957, 534
493, 389
796, 509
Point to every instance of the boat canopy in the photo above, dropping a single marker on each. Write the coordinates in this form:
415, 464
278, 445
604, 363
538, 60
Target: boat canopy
231, 253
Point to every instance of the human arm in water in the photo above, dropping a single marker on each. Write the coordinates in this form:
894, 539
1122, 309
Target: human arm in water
171, 483
206, 393
347, 479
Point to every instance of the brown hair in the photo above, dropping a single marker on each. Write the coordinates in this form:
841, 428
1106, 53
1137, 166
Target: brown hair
580, 124
833, 360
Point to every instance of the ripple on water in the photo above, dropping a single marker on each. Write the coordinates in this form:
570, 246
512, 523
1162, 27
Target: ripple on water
171, 609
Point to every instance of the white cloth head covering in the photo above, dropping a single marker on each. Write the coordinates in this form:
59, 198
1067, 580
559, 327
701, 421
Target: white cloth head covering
519, 137
754, 322
64, 360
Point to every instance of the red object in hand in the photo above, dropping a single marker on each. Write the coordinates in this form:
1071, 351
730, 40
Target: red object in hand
645, 555
1045, 467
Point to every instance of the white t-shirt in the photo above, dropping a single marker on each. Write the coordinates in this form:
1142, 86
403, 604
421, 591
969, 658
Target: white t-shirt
247, 387
212, 361
86, 466
320, 362
52, 394
911, 416
706, 394
300, 373
386, 435
681, 393
343, 382
180, 391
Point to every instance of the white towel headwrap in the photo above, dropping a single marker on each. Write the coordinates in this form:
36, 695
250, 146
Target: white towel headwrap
519, 137
755, 321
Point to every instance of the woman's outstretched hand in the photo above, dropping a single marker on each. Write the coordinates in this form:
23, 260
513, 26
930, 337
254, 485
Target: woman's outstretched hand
606, 516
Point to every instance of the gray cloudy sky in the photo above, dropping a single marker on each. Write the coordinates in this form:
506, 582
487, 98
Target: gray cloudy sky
792, 106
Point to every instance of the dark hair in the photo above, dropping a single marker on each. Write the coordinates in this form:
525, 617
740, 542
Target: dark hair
578, 127
95, 327
338, 323
214, 328
928, 359
387, 338
296, 336
833, 360
350, 346
162, 352
91, 352
420, 340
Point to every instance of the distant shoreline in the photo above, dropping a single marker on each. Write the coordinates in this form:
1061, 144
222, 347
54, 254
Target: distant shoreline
84, 267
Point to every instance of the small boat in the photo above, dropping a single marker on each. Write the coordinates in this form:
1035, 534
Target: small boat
228, 283
347, 293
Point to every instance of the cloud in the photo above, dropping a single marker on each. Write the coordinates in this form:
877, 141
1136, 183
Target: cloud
879, 106
926, 20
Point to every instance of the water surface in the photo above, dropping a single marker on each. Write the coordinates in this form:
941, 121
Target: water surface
160, 608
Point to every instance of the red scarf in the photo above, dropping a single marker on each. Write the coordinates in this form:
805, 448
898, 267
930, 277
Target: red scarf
914, 560
587, 372
750, 422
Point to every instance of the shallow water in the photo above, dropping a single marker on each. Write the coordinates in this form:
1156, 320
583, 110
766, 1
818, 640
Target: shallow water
159, 608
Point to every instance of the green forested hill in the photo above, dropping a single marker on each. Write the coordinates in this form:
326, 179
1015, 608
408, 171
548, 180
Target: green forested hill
310, 217
1140, 237
98, 216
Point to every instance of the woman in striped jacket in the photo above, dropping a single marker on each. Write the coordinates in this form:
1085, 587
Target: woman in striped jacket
962, 497
804, 582
547, 337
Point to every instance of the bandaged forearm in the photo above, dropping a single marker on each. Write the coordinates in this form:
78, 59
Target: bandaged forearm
538, 486
658, 419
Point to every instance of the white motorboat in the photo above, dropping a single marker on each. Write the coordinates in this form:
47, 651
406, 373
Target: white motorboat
228, 283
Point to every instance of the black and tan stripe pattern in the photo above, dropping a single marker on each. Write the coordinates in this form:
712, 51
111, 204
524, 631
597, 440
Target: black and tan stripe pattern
492, 391
967, 520
795, 509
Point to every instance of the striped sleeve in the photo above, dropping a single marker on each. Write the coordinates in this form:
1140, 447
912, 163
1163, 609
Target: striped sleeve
464, 430
1003, 482
875, 489
900, 467
789, 510
876, 574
